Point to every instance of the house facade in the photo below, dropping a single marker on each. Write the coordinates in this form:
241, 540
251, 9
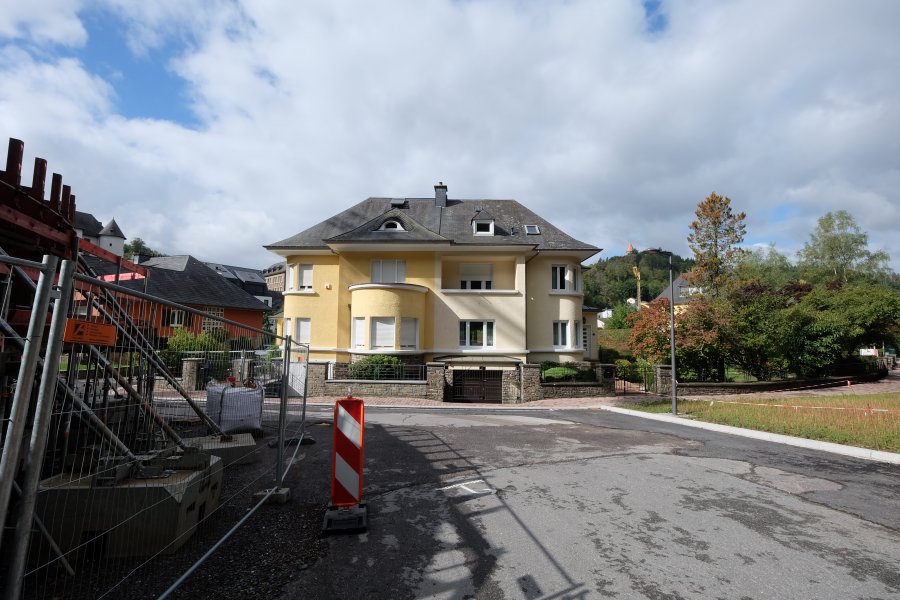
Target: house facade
470, 283
188, 281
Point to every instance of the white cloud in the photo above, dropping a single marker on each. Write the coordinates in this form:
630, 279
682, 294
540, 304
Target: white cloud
54, 21
573, 108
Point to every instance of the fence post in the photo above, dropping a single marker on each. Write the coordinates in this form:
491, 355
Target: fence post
40, 429
282, 412
25, 382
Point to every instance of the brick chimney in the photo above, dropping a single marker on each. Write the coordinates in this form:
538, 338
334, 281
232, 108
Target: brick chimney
440, 195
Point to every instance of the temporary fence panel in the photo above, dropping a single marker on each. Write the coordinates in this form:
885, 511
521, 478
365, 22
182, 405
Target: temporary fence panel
152, 434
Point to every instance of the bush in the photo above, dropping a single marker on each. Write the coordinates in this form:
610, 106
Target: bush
625, 369
377, 366
559, 374
184, 341
553, 371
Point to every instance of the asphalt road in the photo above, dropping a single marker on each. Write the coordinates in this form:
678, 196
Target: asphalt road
589, 504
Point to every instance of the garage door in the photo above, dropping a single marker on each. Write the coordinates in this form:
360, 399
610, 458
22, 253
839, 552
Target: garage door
477, 385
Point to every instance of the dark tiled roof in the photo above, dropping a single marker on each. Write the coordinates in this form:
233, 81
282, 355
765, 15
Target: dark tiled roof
88, 224
238, 274
112, 229
426, 222
684, 292
186, 280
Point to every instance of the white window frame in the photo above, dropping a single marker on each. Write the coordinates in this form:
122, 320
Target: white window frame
476, 276
388, 271
177, 318
305, 280
359, 333
212, 324
532, 230
287, 325
386, 327
391, 225
409, 333
559, 276
475, 227
560, 334
489, 333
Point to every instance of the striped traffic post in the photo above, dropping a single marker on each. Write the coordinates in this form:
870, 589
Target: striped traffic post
347, 511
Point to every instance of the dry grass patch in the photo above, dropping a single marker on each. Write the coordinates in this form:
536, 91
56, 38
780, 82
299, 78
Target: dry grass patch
871, 421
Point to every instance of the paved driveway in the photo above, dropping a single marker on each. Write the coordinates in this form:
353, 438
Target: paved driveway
588, 504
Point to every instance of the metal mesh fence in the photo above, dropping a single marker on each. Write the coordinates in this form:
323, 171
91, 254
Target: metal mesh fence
162, 422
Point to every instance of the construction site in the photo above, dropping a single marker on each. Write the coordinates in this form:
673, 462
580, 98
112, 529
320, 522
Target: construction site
117, 449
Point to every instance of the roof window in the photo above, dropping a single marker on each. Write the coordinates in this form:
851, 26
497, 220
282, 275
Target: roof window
532, 230
483, 227
391, 225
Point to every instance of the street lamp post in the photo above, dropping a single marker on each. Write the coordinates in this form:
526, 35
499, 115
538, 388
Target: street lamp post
672, 337
674, 382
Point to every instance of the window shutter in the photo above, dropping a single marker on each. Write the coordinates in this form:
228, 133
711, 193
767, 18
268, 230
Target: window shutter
359, 332
306, 277
303, 331
290, 278
409, 329
382, 332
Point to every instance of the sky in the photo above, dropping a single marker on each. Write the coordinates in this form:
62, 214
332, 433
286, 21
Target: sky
214, 127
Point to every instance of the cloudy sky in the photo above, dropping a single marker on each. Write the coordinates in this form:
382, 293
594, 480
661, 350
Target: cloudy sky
213, 127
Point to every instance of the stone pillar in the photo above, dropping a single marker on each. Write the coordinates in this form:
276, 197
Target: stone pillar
317, 372
435, 381
531, 383
189, 367
511, 387
663, 374
241, 367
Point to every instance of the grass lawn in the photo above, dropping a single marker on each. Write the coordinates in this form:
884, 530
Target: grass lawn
871, 421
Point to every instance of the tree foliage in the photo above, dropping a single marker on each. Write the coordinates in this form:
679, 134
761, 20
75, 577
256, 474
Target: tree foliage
619, 317
649, 338
765, 266
610, 282
714, 238
137, 246
838, 250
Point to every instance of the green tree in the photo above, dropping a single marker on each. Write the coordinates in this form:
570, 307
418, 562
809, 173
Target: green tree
761, 332
701, 333
138, 246
765, 266
714, 238
619, 317
838, 250
610, 282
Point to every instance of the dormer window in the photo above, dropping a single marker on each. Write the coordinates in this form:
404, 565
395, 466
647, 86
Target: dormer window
483, 227
391, 226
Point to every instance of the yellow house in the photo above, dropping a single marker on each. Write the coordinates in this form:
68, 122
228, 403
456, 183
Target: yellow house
464, 282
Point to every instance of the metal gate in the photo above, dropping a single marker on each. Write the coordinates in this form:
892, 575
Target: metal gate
477, 385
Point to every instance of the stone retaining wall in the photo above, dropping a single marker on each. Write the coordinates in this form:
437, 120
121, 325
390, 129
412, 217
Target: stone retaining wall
519, 385
577, 390
364, 387
717, 389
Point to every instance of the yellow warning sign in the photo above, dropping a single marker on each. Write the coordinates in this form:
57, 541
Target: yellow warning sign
88, 332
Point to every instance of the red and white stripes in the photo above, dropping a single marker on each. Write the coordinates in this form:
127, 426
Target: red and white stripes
347, 453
